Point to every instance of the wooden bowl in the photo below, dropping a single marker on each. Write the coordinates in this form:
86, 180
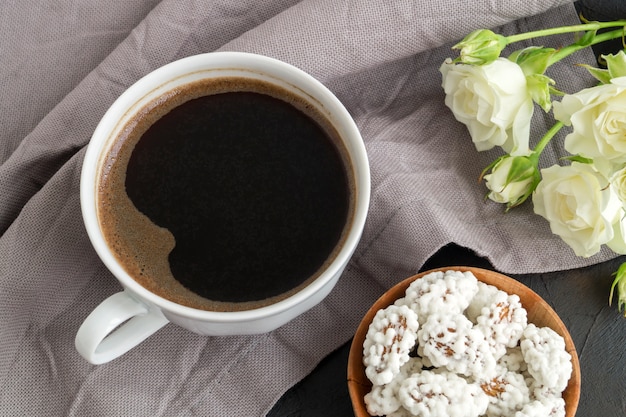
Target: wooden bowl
539, 313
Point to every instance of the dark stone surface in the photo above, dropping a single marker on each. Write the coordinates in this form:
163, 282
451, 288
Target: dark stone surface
603, 10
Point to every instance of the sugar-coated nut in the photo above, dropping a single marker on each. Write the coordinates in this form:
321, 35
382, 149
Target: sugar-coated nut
442, 394
502, 321
549, 398
414, 365
400, 412
388, 342
483, 297
513, 360
383, 400
541, 392
544, 353
543, 408
449, 291
507, 393
451, 341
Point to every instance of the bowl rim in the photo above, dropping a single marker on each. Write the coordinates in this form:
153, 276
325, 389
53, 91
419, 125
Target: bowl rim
359, 384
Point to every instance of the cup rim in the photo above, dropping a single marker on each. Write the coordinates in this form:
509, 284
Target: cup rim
224, 60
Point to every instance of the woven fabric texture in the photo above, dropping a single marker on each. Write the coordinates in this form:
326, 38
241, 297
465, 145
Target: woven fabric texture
63, 63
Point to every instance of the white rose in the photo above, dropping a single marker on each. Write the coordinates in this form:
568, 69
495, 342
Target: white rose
492, 101
501, 192
579, 206
598, 118
618, 183
618, 243
511, 180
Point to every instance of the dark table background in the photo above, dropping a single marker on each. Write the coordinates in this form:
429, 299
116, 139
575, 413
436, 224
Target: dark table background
580, 297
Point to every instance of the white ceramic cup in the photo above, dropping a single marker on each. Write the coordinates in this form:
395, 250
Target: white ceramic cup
125, 319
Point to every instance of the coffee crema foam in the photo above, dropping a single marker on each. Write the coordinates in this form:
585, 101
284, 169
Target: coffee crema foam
141, 246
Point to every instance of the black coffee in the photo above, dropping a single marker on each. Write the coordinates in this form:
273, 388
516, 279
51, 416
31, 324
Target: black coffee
231, 195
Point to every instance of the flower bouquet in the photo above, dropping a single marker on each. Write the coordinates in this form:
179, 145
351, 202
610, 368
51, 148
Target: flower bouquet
583, 198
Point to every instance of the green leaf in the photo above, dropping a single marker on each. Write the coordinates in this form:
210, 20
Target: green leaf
587, 38
533, 60
601, 75
521, 169
616, 64
620, 283
556, 92
578, 158
538, 86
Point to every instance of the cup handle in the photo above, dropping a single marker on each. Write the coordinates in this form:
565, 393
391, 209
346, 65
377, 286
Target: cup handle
117, 325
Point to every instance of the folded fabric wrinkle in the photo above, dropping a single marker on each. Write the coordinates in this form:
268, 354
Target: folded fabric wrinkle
380, 58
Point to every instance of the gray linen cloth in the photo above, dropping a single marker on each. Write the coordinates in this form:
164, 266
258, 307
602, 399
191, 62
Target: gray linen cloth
63, 63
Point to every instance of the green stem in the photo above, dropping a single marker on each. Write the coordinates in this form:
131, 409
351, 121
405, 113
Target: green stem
585, 27
570, 49
547, 137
